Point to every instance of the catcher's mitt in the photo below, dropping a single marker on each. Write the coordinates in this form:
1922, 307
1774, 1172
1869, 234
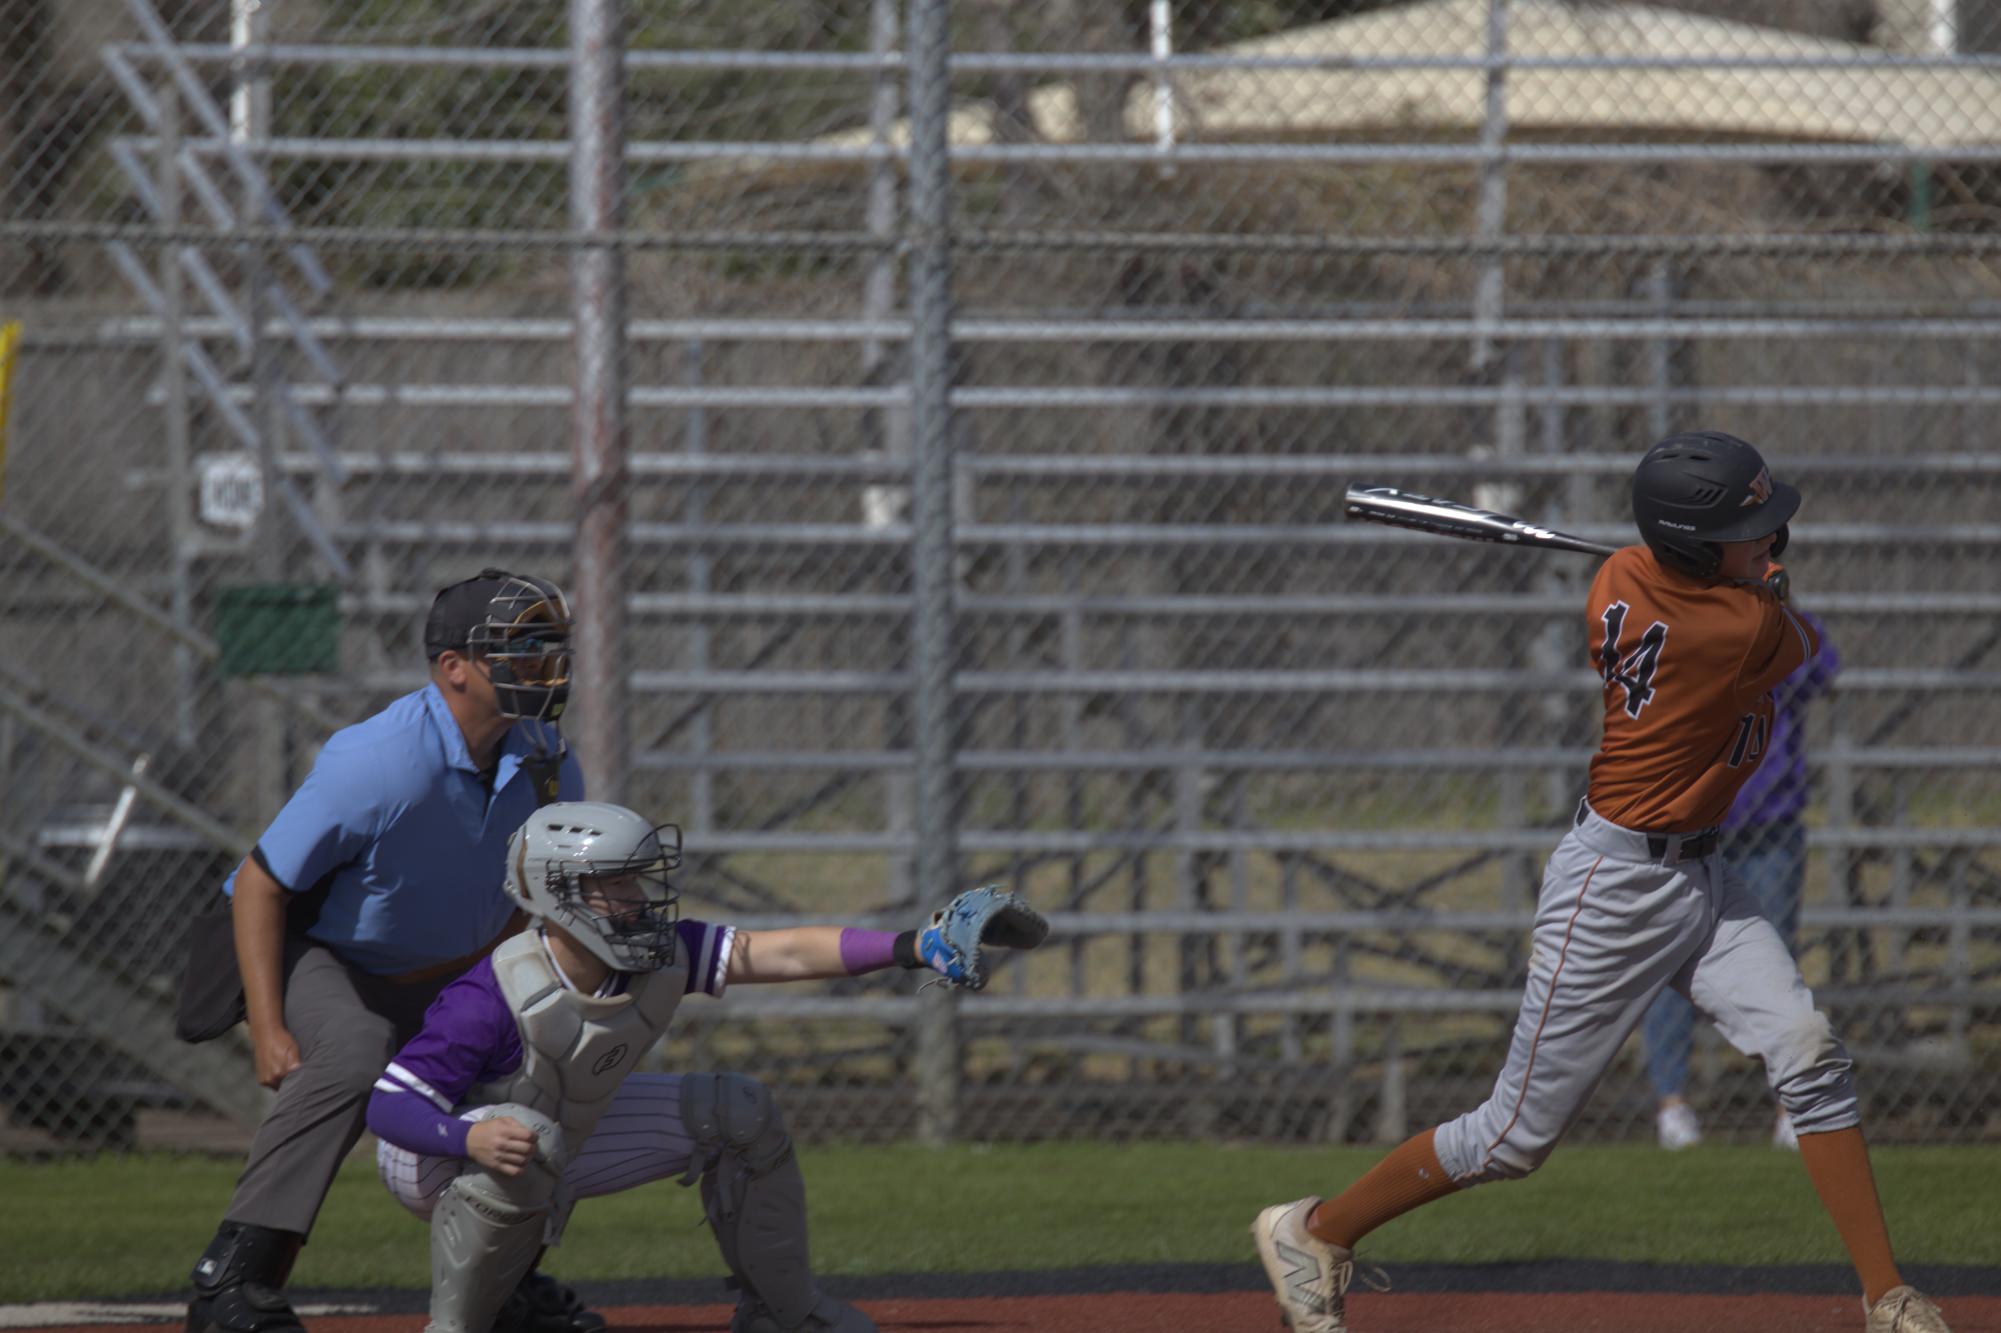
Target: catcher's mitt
952, 945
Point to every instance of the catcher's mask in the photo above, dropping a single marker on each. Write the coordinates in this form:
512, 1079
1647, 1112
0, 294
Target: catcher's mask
520, 625
1697, 490
601, 872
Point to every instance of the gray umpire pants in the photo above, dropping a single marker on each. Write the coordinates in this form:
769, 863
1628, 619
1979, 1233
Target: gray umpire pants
349, 1024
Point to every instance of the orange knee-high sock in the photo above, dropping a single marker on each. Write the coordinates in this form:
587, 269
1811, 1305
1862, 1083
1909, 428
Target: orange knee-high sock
1409, 1176
1838, 1164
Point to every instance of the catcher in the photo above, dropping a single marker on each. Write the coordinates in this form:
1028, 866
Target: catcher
517, 1097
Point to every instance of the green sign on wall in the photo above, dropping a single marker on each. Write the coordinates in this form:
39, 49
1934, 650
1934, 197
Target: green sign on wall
278, 629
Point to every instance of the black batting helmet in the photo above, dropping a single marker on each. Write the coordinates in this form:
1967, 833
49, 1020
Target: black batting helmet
1695, 490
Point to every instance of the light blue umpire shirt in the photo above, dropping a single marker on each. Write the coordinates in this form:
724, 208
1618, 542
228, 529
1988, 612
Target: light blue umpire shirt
396, 815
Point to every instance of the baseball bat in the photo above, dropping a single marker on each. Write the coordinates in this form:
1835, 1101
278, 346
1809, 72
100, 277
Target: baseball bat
1448, 518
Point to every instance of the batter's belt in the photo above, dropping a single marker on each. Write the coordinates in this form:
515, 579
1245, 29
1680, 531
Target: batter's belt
1670, 849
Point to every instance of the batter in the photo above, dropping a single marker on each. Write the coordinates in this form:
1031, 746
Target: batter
1690, 633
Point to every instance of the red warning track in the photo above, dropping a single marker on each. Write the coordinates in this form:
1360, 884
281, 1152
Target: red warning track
1545, 1296
1148, 1312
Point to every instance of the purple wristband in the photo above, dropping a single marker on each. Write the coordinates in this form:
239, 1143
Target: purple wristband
867, 950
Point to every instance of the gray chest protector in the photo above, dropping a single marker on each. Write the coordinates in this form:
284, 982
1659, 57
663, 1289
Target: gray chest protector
575, 1049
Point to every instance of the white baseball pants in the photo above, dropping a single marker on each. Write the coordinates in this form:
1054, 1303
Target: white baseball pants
1615, 923
639, 1138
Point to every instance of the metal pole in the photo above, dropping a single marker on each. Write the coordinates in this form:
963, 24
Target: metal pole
1660, 353
174, 386
1491, 213
1941, 38
932, 569
250, 126
1552, 642
879, 287
1500, 364
114, 829
1191, 895
702, 727
1160, 21
598, 434
884, 505
250, 98
1942, 27
25, 1011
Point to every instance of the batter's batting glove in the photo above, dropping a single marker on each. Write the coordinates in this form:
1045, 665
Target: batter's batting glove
954, 944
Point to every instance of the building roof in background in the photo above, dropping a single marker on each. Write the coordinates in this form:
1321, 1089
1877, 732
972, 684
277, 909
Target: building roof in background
1856, 98
1861, 99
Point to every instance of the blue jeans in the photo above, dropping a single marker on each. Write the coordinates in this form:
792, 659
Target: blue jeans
1770, 861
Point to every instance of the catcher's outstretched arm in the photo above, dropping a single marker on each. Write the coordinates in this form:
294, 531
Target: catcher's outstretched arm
796, 953
954, 944
816, 953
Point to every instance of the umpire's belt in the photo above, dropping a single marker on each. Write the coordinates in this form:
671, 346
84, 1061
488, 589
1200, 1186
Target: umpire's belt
1669, 849
453, 967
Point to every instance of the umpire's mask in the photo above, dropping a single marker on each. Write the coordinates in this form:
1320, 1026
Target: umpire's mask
521, 625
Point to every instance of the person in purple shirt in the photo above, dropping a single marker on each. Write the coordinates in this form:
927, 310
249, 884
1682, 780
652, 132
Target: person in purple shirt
518, 1095
1764, 844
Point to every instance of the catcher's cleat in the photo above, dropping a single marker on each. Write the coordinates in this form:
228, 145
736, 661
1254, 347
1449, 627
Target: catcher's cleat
1309, 1277
1903, 1310
541, 1304
829, 1316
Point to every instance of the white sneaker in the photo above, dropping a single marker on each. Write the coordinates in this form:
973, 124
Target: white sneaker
1784, 1135
1678, 1127
1309, 1276
1902, 1310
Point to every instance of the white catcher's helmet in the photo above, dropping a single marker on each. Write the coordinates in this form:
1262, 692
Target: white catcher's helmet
566, 842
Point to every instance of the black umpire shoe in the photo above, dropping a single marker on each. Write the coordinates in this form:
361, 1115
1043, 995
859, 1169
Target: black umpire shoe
540, 1304
239, 1282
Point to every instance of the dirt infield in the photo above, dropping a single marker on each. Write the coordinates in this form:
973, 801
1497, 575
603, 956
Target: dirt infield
1431, 1298
1147, 1312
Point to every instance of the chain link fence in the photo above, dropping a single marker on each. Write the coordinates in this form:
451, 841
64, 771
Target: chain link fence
986, 426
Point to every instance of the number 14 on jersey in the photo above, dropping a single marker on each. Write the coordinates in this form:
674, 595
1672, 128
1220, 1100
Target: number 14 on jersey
1634, 669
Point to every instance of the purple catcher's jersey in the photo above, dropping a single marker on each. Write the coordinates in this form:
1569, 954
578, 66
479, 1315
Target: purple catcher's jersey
470, 1037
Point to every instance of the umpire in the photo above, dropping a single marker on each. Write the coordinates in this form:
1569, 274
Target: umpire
378, 883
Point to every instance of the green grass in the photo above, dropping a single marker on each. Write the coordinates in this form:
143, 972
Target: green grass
117, 1226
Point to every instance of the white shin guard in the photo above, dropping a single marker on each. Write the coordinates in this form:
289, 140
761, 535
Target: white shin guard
486, 1231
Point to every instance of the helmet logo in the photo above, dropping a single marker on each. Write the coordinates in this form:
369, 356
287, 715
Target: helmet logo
1761, 489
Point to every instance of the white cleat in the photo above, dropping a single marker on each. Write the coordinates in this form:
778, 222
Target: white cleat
1902, 1310
1678, 1128
1309, 1276
1784, 1135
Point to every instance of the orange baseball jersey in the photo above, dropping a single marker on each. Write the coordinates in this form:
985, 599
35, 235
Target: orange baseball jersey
1689, 667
